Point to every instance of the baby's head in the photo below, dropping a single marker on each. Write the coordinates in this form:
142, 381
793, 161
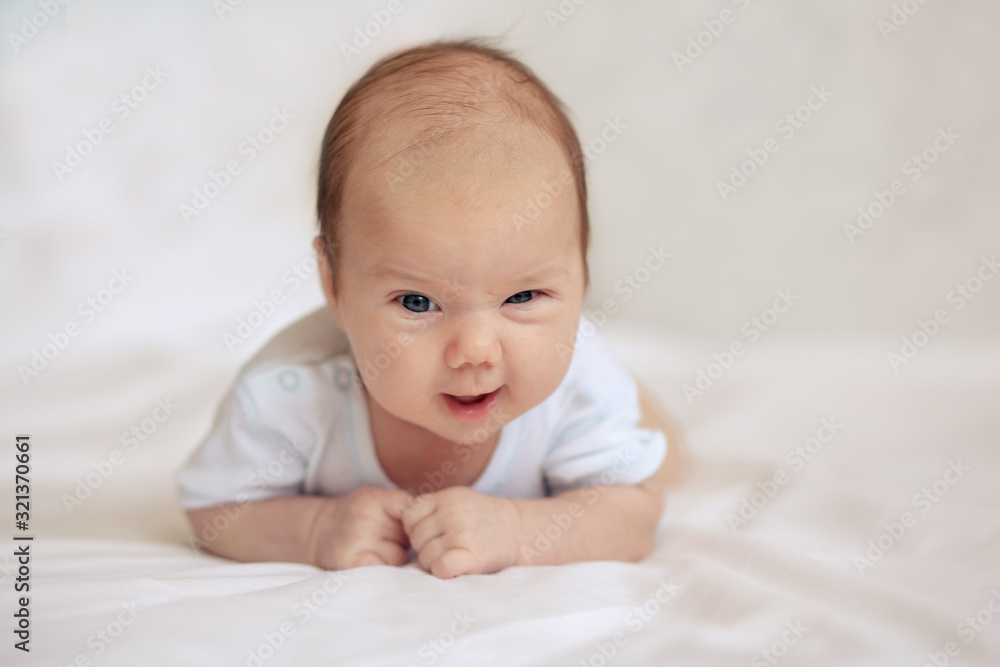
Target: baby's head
453, 236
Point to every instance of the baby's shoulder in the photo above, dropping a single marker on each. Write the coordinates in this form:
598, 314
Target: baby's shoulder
277, 388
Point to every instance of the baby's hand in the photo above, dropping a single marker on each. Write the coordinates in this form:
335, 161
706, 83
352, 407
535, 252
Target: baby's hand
362, 528
460, 531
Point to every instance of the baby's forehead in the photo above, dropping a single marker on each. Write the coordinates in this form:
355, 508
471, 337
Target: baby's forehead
455, 99
474, 182
411, 155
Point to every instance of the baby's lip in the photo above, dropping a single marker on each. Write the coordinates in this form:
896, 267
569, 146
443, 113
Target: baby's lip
471, 398
477, 410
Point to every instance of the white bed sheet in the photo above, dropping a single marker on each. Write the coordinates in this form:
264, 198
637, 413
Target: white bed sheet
787, 582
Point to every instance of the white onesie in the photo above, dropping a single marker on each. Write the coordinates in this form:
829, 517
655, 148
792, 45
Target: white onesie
296, 421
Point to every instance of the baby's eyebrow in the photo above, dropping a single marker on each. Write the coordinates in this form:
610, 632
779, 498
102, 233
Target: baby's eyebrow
551, 271
381, 272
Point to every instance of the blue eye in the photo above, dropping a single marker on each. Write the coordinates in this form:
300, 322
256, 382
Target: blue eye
417, 303
522, 297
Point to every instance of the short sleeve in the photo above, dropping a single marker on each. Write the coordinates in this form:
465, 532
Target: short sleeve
598, 440
241, 459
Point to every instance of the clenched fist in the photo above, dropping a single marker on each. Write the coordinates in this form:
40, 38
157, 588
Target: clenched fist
460, 531
362, 528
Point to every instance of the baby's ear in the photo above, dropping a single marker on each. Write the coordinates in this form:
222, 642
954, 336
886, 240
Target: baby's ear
325, 274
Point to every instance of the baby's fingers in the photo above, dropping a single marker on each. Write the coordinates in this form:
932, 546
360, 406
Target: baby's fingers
366, 558
395, 502
455, 562
385, 552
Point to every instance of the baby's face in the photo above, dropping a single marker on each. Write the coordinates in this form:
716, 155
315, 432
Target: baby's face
456, 307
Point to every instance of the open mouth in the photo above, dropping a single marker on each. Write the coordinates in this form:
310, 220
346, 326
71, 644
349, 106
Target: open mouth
472, 408
466, 400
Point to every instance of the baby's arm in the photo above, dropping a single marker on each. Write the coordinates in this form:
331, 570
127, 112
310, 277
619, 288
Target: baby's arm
359, 528
607, 522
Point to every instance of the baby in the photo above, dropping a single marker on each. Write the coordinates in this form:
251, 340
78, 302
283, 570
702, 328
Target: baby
447, 407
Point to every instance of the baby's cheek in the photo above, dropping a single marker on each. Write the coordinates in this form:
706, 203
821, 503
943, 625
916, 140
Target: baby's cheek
541, 373
387, 352
411, 380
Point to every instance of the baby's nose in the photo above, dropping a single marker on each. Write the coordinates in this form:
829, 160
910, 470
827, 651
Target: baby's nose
473, 342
